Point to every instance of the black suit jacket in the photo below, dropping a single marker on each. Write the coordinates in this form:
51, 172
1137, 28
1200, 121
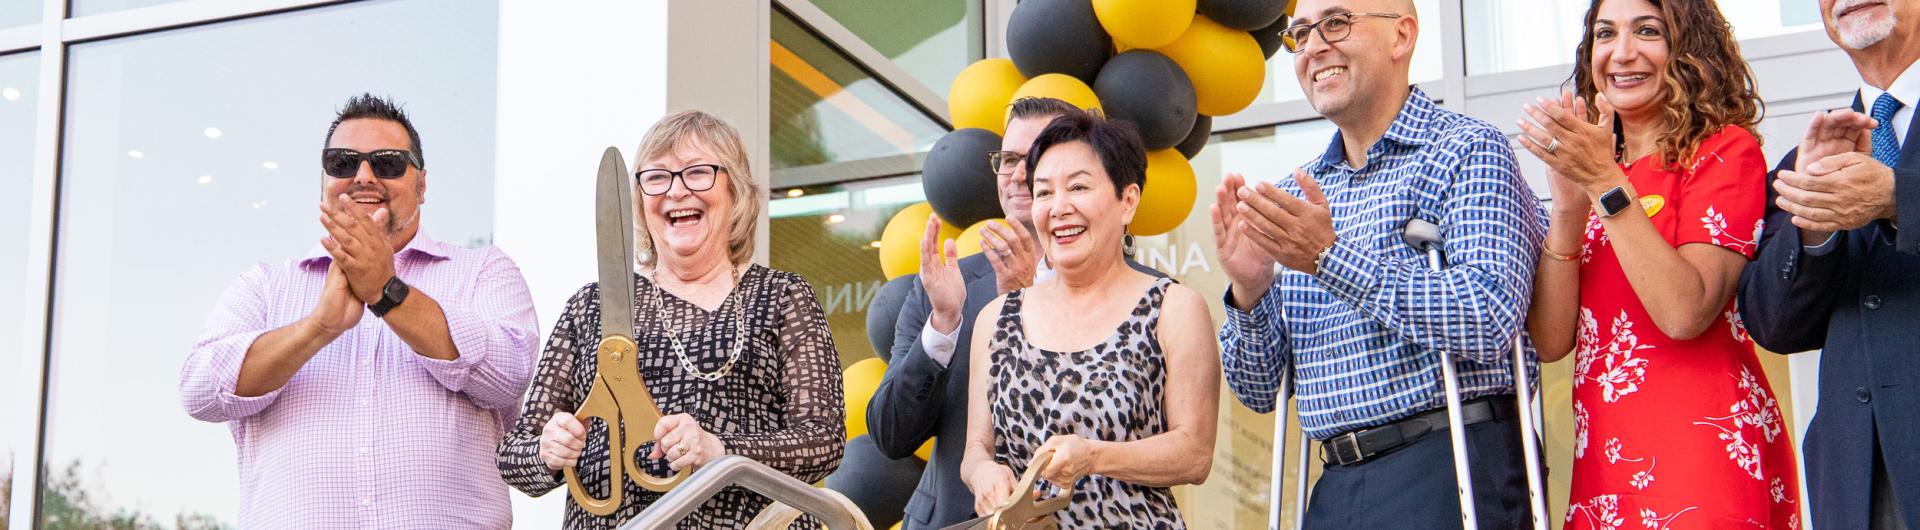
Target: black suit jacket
1860, 303
918, 399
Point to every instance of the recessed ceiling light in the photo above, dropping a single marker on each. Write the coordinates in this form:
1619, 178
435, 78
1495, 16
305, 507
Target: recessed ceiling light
836, 219
270, 165
212, 132
135, 153
796, 192
205, 179
12, 94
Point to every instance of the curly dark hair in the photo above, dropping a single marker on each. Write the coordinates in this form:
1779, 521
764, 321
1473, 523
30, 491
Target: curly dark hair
1706, 85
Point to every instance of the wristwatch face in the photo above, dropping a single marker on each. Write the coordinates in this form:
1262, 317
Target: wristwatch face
1614, 201
394, 291
390, 296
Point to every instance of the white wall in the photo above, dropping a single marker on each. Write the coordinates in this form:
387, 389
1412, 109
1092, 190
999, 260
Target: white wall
572, 81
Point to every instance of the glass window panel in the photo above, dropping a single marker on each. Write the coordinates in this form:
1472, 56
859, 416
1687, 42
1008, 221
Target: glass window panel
830, 235
83, 8
931, 40
1508, 35
20, 13
19, 109
1283, 85
826, 110
192, 155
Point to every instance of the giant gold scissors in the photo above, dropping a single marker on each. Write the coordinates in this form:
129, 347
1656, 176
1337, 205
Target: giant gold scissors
1020, 511
618, 396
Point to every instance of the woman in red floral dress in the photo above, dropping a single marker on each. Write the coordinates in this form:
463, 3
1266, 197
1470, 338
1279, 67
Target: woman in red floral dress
1675, 425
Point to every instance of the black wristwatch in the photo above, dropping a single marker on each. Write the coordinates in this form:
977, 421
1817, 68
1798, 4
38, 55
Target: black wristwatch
390, 297
1614, 201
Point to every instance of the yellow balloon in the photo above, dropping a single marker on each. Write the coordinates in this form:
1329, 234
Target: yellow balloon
1065, 88
1225, 65
925, 452
860, 381
981, 92
969, 240
900, 240
896, 526
1169, 194
1144, 23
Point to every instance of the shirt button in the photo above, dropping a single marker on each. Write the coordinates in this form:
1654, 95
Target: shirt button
363, 403
1873, 302
363, 450
1862, 394
366, 502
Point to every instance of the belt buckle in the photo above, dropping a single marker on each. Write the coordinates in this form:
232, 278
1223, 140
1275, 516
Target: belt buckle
1352, 440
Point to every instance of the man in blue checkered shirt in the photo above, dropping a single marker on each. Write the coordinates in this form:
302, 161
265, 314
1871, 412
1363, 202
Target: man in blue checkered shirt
1354, 317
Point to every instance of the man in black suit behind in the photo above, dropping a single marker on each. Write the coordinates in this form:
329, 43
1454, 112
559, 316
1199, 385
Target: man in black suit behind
920, 397
1835, 272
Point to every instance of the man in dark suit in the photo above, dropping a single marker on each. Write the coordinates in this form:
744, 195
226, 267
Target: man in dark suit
1834, 272
924, 393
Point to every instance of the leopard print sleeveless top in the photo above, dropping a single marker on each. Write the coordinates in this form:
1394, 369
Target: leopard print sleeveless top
1113, 392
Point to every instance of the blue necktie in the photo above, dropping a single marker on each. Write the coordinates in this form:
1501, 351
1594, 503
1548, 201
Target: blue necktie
1885, 148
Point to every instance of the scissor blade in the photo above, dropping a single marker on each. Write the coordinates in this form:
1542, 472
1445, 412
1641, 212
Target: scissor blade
613, 224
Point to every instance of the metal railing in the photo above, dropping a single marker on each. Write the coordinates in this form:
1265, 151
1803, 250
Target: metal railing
735, 470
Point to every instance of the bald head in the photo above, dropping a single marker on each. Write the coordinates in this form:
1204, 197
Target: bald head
1303, 9
1361, 74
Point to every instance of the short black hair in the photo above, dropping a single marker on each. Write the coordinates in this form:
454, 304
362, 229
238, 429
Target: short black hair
1121, 152
369, 106
1039, 107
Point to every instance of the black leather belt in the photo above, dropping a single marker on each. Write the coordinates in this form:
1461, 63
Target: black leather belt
1357, 446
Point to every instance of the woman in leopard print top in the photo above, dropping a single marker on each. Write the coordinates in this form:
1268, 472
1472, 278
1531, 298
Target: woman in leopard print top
1125, 394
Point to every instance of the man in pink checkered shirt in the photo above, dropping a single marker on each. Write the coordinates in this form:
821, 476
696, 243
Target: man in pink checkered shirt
367, 382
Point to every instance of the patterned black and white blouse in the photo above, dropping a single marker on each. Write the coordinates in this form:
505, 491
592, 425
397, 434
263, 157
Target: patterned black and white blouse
1113, 392
781, 404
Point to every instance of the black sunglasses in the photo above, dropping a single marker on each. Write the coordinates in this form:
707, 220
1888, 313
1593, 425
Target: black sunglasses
386, 163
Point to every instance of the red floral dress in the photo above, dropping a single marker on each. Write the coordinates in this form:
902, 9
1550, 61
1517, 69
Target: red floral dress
1678, 433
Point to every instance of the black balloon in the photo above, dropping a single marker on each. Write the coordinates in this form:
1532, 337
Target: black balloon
883, 311
1269, 37
1196, 138
880, 486
1151, 91
958, 179
1057, 37
1245, 15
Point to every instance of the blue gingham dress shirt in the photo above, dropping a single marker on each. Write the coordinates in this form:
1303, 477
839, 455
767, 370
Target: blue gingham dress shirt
1359, 338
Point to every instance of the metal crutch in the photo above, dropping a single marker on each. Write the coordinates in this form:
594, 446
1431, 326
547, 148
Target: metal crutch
1275, 490
1529, 434
1425, 237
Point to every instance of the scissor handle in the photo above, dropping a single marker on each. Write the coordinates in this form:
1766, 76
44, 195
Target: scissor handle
618, 370
600, 404
1021, 512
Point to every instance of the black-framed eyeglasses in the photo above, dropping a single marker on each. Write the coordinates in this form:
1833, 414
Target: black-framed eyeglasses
697, 177
1335, 28
1004, 162
344, 163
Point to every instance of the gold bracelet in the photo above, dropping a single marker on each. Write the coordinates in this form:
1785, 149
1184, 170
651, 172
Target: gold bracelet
1556, 256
